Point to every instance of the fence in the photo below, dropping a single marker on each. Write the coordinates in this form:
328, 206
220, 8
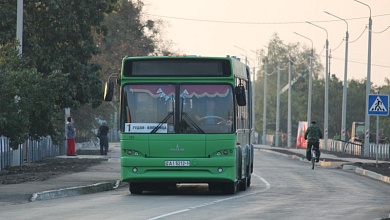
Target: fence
357, 148
32, 151
5, 153
29, 152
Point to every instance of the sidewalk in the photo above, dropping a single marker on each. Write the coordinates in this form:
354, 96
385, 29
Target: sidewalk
106, 176
102, 177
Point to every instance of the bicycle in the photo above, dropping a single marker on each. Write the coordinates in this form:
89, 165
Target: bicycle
313, 157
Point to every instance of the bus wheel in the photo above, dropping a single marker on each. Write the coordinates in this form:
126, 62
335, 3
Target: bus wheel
248, 181
231, 187
135, 188
243, 183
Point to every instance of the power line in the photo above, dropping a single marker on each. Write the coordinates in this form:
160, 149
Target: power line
338, 45
256, 23
358, 62
353, 41
381, 31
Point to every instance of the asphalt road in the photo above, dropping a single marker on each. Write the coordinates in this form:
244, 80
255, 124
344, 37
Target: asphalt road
282, 188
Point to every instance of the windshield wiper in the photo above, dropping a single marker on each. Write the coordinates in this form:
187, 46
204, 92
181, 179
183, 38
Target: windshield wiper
193, 123
161, 123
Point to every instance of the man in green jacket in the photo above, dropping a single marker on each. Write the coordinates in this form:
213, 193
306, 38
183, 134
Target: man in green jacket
313, 135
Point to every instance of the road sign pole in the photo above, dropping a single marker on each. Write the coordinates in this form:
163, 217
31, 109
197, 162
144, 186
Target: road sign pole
378, 105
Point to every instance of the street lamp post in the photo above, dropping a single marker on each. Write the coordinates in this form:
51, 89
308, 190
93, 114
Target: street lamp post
344, 108
310, 80
264, 137
326, 88
368, 83
289, 101
265, 97
253, 95
254, 89
252, 105
277, 108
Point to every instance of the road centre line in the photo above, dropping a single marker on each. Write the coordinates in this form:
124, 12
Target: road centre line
268, 186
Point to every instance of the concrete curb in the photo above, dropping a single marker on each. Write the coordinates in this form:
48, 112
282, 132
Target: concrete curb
344, 165
373, 175
73, 191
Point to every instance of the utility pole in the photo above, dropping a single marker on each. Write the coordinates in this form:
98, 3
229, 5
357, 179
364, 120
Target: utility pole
368, 84
326, 88
277, 108
264, 139
310, 80
289, 102
344, 107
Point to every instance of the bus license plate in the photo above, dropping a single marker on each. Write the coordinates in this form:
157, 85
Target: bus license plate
177, 163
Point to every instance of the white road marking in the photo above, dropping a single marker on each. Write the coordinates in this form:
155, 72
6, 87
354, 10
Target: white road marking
268, 186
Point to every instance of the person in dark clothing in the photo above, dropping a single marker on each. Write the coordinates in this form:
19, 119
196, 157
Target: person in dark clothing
102, 135
313, 135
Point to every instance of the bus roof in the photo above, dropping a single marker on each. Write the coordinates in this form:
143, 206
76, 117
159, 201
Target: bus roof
238, 68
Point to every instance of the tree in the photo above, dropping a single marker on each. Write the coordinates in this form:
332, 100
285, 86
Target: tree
57, 51
70, 47
125, 33
280, 52
23, 103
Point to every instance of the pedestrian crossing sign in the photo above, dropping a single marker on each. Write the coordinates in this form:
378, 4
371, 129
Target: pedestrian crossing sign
378, 104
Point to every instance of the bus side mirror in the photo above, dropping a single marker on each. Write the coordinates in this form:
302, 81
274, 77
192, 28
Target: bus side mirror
108, 91
240, 95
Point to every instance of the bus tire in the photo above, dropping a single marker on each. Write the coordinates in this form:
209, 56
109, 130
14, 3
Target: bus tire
239, 164
136, 188
249, 166
248, 181
243, 183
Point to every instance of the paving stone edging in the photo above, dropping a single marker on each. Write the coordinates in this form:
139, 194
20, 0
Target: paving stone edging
73, 191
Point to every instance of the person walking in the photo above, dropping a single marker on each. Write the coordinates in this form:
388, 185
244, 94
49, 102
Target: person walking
102, 135
313, 135
70, 138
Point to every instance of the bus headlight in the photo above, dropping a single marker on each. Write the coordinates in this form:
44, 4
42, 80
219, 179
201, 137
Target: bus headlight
135, 169
220, 170
130, 152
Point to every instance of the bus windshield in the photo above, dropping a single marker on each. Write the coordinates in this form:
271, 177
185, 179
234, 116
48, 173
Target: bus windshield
178, 108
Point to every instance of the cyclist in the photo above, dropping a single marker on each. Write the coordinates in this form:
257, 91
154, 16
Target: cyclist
313, 135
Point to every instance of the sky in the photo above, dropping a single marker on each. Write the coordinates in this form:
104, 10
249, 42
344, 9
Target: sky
240, 27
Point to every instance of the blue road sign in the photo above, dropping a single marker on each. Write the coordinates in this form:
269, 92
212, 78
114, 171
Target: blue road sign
378, 104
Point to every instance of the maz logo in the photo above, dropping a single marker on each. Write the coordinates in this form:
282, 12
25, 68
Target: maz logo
177, 148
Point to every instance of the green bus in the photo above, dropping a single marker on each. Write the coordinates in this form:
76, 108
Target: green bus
184, 119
